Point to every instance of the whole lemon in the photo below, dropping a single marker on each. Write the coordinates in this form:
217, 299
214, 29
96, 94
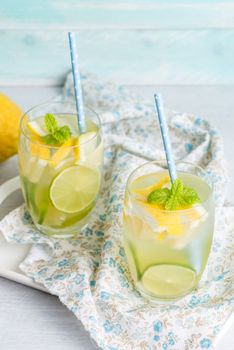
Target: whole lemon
10, 115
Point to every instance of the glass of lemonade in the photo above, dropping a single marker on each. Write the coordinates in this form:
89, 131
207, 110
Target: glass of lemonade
60, 170
167, 251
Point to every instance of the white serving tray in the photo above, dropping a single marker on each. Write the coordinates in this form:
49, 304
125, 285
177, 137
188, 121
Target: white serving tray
12, 254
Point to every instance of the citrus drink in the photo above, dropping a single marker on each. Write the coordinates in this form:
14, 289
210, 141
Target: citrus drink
60, 183
167, 251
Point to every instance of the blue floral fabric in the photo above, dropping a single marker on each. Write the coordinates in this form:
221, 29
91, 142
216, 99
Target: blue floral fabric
90, 274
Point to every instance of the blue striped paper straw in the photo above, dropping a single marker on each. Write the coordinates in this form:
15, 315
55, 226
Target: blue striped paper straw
77, 83
165, 136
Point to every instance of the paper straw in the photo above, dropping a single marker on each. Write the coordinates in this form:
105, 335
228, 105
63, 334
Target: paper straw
77, 83
165, 136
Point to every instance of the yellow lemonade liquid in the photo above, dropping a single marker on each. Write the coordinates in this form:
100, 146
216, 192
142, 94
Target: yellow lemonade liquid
166, 251
60, 184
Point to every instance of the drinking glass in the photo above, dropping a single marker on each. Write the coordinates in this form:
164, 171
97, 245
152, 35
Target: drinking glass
167, 251
60, 183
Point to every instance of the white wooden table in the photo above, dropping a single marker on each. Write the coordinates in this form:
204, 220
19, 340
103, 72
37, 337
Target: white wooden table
33, 320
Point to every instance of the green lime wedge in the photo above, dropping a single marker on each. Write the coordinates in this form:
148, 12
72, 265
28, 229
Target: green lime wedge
167, 281
75, 188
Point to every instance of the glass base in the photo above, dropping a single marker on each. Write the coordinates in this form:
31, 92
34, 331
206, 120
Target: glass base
63, 233
157, 300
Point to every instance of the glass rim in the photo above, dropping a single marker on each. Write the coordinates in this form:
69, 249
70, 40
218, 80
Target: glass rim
22, 128
211, 185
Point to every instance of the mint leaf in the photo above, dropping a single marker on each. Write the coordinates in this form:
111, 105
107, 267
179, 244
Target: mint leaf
62, 134
177, 188
174, 199
189, 196
159, 196
49, 139
51, 123
172, 203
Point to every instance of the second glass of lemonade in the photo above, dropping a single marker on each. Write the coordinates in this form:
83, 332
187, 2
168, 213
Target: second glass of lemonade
60, 178
167, 251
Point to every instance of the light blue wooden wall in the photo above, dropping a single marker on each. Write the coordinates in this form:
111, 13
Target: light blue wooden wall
132, 41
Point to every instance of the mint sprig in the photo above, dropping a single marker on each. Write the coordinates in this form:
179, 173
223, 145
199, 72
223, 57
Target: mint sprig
178, 196
50, 123
57, 135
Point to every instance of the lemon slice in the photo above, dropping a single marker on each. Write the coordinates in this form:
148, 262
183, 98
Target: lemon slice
90, 150
36, 128
167, 281
75, 188
64, 151
156, 218
165, 180
39, 151
87, 143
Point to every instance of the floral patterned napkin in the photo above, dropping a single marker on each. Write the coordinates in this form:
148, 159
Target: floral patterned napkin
90, 275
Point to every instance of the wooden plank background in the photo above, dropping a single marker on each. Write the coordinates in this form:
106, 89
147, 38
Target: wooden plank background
133, 41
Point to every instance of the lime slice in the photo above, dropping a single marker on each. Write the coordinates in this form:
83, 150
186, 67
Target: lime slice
168, 281
74, 189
